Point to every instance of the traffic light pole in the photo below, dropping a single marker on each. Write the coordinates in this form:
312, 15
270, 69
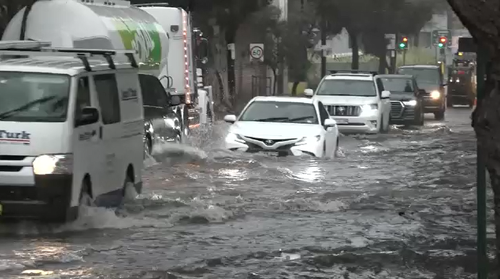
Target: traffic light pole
404, 57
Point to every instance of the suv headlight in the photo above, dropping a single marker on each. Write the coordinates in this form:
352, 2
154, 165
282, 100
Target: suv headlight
435, 94
307, 140
234, 137
53, 164
410, 103
366, 108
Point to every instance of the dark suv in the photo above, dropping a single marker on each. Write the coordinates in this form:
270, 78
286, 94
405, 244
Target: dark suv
161, 123
429, 78
407, 106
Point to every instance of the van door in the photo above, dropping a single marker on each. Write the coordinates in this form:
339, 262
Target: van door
86, 143
110, 130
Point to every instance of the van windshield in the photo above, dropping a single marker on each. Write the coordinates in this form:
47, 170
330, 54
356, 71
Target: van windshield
33, 97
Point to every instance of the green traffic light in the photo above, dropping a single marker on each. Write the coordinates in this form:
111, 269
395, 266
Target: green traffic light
402, 45
440, 45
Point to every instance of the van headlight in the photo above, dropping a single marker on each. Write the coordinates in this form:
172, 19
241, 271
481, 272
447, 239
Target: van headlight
232, 137
53, 164
308, 140
435, 94
410, 103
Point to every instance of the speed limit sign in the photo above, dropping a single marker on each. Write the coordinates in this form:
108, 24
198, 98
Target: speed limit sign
256, 52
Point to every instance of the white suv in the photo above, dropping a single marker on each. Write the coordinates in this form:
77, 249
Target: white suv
356, 100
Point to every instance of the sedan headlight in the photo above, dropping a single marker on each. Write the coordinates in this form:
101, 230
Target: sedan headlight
53, 164
235, 138
410, 103
435, 94
308, 140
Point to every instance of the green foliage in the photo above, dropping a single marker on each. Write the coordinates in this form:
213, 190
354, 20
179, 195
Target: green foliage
286, 41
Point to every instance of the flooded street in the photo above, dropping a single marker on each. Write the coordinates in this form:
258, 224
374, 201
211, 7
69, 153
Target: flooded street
397, 205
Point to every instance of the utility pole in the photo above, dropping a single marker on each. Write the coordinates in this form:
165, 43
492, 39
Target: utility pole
323, 45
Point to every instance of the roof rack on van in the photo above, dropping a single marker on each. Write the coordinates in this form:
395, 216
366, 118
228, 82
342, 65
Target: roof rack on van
373, 73
33, 48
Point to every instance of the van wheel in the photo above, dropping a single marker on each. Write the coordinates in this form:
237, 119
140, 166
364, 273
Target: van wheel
85, 200
129, 192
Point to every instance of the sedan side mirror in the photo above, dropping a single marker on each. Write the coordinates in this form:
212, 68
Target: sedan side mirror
309, 92
175, 101
385, 94
330, 122
87, 116
231, 118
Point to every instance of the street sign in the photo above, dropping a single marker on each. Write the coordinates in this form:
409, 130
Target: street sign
257, 52
391, 41
436, 34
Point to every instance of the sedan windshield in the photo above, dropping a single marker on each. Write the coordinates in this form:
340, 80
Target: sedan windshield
33, 97
287, 112
340, 87
398, 84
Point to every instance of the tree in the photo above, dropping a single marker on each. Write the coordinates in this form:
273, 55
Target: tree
393, 17
482, 21
287, 41
229, 15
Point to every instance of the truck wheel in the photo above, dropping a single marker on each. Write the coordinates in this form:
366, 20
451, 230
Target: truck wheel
185, 122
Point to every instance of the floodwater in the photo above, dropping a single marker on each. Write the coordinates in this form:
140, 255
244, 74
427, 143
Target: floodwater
399, 205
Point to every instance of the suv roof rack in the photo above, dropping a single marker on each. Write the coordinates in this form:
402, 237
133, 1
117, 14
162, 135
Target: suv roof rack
353, 72
39, 48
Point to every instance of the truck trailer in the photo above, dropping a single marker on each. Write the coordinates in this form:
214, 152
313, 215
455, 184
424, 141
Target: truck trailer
161, 35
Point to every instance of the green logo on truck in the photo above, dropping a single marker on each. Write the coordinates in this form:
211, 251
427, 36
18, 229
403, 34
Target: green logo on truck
142, 37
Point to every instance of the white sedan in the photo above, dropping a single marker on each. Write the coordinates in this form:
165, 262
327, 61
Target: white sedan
281, 126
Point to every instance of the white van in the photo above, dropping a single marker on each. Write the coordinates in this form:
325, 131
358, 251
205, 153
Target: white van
71, 130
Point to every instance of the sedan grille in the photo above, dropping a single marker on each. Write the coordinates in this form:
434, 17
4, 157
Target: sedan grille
396, 108
270, 141
344, 110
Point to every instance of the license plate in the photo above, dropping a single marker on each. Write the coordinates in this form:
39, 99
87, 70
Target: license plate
271, 154
342, 121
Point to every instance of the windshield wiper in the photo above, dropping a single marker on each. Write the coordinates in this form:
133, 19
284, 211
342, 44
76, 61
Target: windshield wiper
25, 107
300, 118
271, 119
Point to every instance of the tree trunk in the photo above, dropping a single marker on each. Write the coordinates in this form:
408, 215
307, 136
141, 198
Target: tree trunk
353, 35
230, 36
382, 64
482, 21
294, 88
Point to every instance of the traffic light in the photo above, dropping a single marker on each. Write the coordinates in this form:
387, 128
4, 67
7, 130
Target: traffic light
404, 43
442, 41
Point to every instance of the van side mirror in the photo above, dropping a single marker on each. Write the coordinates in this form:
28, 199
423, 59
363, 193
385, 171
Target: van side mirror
308, 92
87, 116
175, 101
